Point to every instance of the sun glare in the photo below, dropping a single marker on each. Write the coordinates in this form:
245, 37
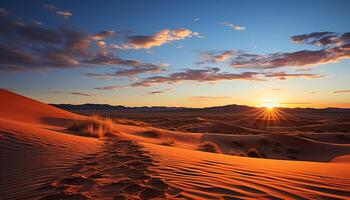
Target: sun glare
269, 105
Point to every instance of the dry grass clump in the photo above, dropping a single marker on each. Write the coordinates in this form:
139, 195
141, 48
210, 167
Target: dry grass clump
94, 126
254, 153
209, 147
168, 143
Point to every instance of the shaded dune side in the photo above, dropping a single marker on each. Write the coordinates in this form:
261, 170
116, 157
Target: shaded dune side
33, 148
31, 156
202, 175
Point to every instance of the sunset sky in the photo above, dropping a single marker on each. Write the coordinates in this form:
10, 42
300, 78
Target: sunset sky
177, 53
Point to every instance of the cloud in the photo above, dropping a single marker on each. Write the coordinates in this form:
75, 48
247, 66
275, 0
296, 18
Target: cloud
112, 87
277, 89
60, 12
341, 91
103, 35
130, 72
28, 47
284, 75
64, 14
158, 92
157, 39
37, 22
209, 98
74, 93
334, 47
215, 57
199, 75
234, 27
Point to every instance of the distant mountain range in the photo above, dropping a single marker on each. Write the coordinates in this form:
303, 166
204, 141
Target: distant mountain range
224, 109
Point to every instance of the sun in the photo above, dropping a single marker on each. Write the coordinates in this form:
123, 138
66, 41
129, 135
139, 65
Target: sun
269, 105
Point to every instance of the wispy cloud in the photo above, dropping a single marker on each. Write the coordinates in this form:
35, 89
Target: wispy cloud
284, 75
74, 93
158, 91
215, 56
149, 68
209, 98
277, 89
341, 91
112, 87
59, 11
234, 27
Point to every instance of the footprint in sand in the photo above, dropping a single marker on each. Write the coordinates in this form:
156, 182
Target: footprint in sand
120, 171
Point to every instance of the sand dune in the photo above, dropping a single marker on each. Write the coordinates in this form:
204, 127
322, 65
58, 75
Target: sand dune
40, 159
200, 175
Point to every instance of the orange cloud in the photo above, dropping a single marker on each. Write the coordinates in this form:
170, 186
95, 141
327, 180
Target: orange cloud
341, 91
157, 39
284, 75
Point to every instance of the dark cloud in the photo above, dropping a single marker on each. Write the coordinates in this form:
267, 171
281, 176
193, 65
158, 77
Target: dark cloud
74, 93
284, 75
199, 75
112, 87
334, 47
157, 92
130, 72
28, 47
341, 91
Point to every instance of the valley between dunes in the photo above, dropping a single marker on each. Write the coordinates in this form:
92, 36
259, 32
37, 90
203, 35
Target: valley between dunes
41, 159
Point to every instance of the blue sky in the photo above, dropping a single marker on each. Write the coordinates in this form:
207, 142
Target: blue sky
267, 28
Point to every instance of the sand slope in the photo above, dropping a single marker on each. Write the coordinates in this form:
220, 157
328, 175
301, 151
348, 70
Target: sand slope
40, 160
33, 150
201, 175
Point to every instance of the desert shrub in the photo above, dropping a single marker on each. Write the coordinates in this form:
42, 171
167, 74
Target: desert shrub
264, 141
293, 150
168, 143
152, 134
242, 154
94, 126
209, 147
254, 153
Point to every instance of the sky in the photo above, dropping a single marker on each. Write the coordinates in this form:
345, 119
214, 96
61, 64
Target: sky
177, 53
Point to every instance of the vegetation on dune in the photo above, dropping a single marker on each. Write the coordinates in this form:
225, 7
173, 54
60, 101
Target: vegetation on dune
94, 126
254, 153
209, 147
